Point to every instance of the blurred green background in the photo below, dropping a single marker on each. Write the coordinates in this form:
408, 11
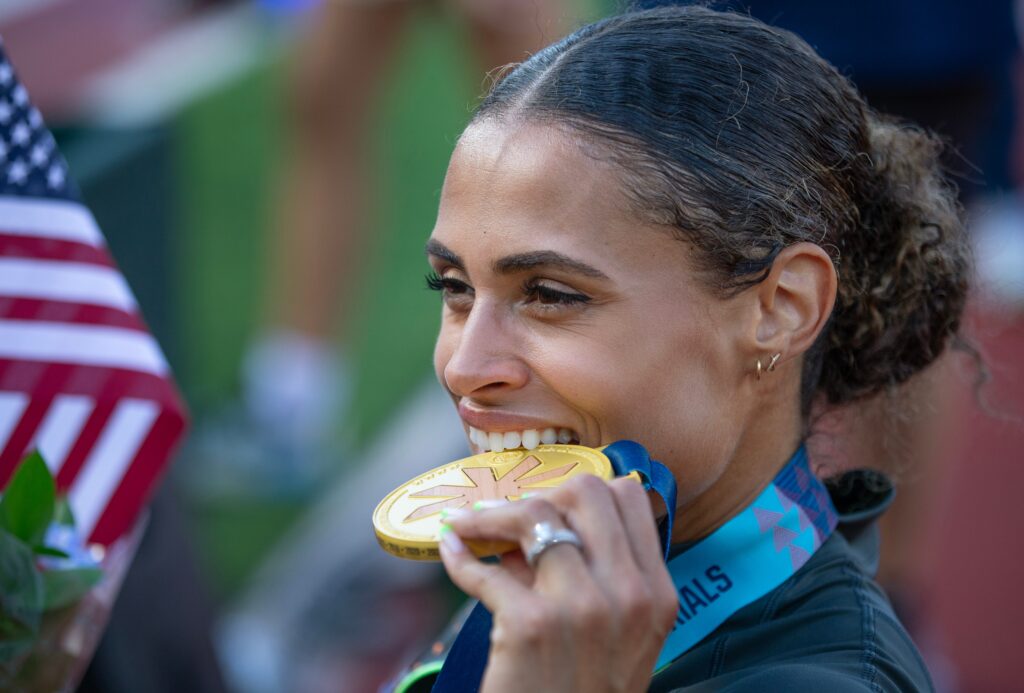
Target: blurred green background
230, 144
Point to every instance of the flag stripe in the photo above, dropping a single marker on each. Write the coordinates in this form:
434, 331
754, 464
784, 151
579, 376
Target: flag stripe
140, 479
60, 311
83, 446
48, 218
21, 376
106, 464
61, 427
52, 249
73, 282
94, 381
47, 382
81, 344
12, 405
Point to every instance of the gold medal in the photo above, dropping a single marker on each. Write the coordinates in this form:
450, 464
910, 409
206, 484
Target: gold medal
408, 520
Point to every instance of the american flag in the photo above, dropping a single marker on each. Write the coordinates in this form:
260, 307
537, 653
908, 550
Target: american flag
81, 378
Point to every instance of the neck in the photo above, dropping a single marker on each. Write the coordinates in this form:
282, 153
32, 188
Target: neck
743, 480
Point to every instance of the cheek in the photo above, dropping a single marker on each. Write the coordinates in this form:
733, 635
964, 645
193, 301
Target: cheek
570, 366
676, 397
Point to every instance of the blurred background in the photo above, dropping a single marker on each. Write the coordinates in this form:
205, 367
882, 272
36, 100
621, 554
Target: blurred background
266, 174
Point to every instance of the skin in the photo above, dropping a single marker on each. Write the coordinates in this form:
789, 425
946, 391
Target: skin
652, 354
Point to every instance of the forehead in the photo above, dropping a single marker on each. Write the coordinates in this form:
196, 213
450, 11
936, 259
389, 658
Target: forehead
506, 181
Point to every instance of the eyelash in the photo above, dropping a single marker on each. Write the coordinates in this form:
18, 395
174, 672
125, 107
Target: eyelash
545, 294
436, 282
551, 296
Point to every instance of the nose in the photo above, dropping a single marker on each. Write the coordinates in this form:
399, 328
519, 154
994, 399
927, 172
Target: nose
485, 360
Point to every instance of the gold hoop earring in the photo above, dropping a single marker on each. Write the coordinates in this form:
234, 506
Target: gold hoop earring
771, 365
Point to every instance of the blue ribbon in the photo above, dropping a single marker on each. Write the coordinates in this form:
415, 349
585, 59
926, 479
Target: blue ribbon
627, 456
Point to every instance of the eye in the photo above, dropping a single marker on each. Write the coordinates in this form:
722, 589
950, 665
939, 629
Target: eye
452, 290
546, 295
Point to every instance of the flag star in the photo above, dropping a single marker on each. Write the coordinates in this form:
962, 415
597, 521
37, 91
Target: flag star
20, 95
35, 118
6, 73
5, 111
55, 178
17, 172
21, 134
3, 150
39, 155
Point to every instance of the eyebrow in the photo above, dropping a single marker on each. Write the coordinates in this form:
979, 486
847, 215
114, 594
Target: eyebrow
440, 250
521, 262
545, 258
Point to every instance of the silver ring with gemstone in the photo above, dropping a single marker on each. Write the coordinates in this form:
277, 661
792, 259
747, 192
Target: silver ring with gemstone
545, 536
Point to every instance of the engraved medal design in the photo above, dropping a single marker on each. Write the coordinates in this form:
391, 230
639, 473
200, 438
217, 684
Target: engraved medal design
408, 520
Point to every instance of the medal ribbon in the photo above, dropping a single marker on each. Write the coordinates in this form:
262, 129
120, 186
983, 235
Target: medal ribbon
750, 555
737, 564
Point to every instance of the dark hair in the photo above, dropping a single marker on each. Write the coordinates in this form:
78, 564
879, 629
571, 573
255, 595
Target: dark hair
739, 137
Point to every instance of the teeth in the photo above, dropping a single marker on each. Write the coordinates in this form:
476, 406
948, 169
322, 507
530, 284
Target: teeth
496, 442
510, 440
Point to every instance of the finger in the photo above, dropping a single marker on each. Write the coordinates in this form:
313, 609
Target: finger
515, 521
515, 563
628, 564
634, 507
489, 582
592, 512
640, 525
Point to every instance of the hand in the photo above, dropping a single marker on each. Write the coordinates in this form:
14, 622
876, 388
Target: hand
590, 620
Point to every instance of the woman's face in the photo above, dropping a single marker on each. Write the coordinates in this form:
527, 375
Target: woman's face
562, 310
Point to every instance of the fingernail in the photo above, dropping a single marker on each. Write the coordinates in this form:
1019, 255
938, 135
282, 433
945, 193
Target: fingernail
489, 503
450, 541
452, 514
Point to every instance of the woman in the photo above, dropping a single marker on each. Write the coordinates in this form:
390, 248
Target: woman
683, 228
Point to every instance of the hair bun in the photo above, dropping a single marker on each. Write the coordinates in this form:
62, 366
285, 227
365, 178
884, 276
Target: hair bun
903, 275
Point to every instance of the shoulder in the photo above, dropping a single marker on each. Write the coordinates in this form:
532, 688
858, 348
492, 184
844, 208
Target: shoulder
828, 625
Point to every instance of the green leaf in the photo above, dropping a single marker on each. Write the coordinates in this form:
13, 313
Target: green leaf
26, 509
49, 551
21, 589
65, 587
15, 638
62, 512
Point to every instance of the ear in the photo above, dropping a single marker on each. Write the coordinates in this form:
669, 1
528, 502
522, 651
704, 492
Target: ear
795, 301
